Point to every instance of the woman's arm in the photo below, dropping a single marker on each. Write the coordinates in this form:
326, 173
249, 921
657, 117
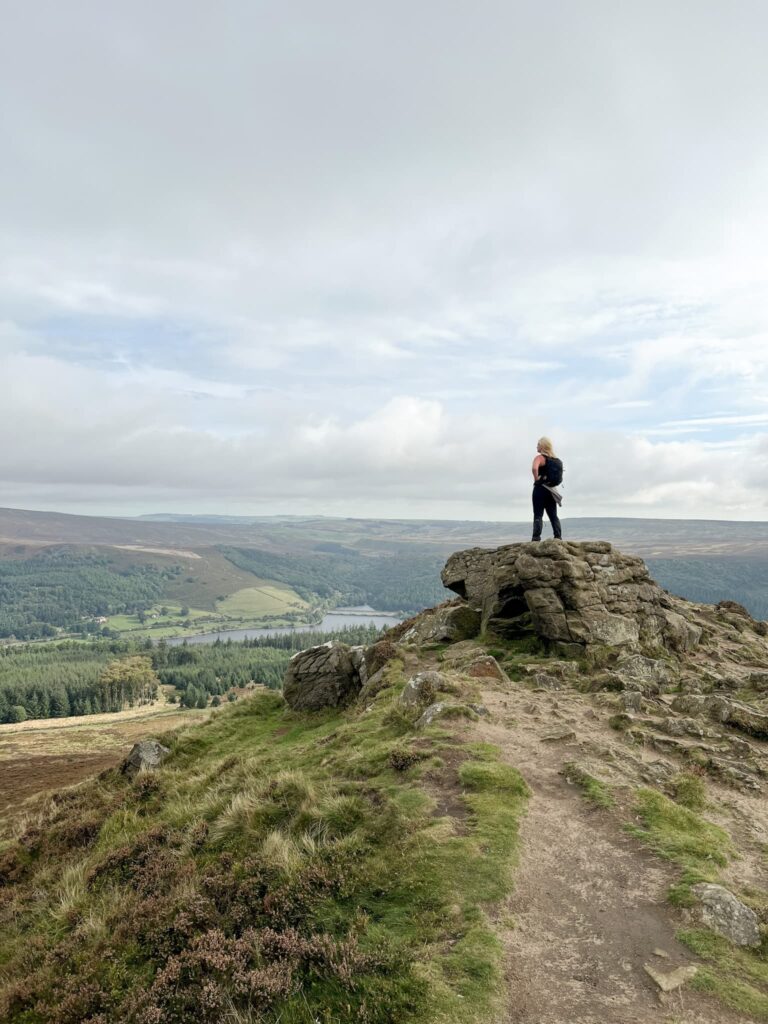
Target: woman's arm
538, 462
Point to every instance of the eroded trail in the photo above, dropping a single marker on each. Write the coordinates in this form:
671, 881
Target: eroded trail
588, 911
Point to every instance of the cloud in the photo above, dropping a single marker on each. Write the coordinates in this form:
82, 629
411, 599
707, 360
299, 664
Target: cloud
359, 257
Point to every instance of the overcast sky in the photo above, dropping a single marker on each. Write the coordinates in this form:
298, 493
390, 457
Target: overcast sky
355, 258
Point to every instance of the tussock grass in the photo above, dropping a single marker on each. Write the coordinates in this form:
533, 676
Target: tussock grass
682, 836
593, 789
738, 977
300, 852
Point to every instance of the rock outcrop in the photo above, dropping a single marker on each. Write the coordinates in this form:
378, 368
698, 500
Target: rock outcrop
729, 917
330, 675
144, 754
581, 594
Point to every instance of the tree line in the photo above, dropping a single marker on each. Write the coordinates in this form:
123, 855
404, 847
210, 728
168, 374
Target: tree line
73, 678
404, 581
61, 589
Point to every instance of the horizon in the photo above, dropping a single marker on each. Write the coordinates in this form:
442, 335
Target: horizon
380, 518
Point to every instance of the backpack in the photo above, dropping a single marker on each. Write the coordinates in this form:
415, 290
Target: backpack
552, 471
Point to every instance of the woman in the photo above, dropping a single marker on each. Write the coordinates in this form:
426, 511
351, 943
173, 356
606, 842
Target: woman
547, 472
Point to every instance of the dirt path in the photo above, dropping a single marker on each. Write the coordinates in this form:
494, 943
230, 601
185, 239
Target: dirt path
588, 910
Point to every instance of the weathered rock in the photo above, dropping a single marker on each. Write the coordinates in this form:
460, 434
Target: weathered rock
545, 681
692, 703
375, 684
645, 674
571, 593
451, 623
486, 667
668, 981
378, 655
729, 917
144, 754
443, 709
632, 700
323, 676
421, 689
561, 736
740, 716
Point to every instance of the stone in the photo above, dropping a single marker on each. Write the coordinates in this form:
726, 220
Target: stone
740, 716
569, 593
324, 676
451, 623
646, 674
375, 684
726, 915
545, 681
668, 981
486, 667
758, 680
421, 689
378, 655
559, 737
144, 754
632, 700
442, 709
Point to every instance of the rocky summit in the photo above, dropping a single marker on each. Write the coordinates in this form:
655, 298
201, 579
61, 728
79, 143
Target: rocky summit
579, 594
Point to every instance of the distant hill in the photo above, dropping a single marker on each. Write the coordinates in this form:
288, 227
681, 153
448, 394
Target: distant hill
201, 561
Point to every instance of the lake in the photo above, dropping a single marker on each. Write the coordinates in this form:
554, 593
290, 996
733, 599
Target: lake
341, 618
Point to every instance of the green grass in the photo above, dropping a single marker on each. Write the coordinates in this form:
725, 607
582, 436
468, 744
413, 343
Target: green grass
680, 835
593, 789
264, 598
301, 853
738, 977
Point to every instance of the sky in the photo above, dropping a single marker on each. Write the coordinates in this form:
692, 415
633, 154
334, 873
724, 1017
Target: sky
355, 258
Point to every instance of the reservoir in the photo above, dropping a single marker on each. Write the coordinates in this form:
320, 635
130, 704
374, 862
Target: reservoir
340, 618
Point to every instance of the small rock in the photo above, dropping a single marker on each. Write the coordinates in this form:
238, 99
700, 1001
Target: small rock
662, 953
145, 754
421, 689
442, 709
479, 709
559, 737
486, 667
729, 917
632, 700
671, 980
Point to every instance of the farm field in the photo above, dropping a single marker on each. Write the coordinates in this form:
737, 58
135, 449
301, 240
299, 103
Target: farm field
45, 755
263, 599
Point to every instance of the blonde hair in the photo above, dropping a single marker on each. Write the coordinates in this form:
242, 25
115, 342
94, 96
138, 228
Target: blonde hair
545, 447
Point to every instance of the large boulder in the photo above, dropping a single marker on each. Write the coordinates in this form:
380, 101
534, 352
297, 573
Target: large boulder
578, 594
330, 675
144, 754
448, 623
729, 917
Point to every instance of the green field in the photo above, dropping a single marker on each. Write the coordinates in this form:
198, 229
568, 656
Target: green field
265, 599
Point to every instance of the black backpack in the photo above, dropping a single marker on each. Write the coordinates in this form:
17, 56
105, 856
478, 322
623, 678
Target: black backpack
552, 471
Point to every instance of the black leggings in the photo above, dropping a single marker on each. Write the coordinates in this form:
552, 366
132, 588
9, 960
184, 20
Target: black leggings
544, 502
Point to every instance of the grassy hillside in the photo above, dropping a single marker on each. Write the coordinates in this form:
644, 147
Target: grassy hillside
276, 868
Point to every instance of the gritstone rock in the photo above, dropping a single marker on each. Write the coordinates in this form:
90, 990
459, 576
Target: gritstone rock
324, 676
145, 754
421, 688
445, 709
668, 981
451, 623
574, 593
724, 914
486, 667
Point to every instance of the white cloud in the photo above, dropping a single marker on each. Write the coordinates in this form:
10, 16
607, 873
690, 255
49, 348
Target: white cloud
284, 256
